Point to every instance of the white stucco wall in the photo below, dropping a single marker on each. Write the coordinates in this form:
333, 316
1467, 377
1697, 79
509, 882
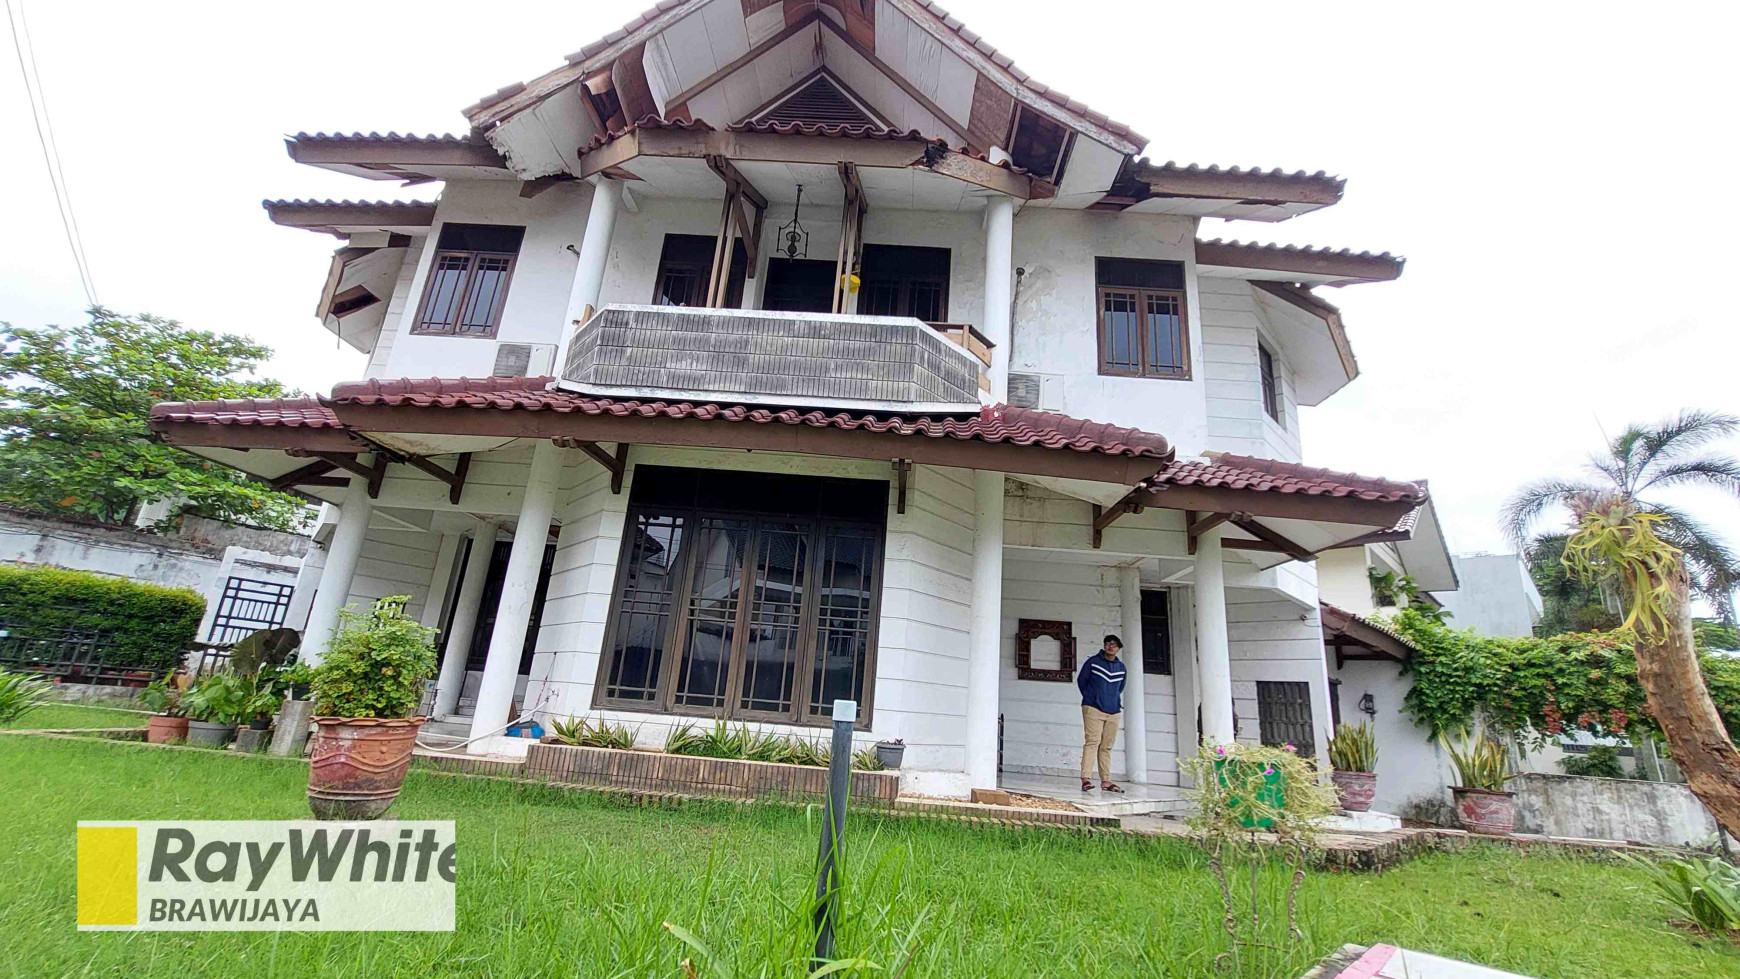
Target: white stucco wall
1410, 765
1276, 639
1233, 325
1496, 597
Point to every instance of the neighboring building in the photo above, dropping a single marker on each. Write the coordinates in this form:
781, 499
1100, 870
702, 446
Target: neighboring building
828, 291
1497, 596
245, 574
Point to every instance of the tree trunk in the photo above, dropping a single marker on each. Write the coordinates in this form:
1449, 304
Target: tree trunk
1667, 668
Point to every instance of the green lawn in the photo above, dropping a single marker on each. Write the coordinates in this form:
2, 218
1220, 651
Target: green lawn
53, 716
563, 884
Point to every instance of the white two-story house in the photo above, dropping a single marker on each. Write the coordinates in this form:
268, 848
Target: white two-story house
745, 362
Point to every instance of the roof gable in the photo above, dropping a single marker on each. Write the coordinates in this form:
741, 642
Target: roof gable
820, 101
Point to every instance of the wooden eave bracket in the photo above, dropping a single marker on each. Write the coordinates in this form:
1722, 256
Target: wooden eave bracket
616, 465
455, 479
902, 473
1133, 502
374, 472
1264, 534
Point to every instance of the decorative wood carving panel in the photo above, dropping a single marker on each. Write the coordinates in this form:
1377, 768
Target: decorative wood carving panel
1031, 629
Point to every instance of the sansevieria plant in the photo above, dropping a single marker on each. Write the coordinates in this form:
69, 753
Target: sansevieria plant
1480, 761
1353, 748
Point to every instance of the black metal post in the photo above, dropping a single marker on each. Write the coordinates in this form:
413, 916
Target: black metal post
834, 827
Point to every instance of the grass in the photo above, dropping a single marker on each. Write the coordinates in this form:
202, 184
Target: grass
566, 884
56, 716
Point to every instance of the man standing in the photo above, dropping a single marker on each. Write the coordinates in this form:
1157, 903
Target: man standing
1101, 682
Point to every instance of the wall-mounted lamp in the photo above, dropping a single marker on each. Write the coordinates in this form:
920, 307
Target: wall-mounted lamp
1367, 706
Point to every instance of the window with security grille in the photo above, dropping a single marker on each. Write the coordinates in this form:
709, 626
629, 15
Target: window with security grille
1156, 634
468, 281
905, 280
1284, 715
1142, 327
247, 606
745, 595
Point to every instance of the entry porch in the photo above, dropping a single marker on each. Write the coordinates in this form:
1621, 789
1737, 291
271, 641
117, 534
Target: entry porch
670, 564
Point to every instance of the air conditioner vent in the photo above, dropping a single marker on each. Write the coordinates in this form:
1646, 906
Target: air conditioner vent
523, 359
1024, 390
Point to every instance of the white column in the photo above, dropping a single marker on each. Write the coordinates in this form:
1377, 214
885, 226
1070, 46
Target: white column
465, 610
594, 252
341, 558
519, 588
999, 289
984, 651
441, 580
1213, 660
1135, 683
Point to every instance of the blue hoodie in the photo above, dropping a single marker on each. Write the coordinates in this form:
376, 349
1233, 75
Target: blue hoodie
1101, 682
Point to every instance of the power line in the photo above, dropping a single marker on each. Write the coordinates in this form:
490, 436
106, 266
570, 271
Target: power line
50, 159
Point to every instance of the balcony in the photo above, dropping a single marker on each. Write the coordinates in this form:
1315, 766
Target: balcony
776, 358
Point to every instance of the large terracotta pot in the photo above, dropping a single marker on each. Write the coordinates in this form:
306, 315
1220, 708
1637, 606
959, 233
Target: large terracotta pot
1485, 811
162, 729
357, 765
1355, 789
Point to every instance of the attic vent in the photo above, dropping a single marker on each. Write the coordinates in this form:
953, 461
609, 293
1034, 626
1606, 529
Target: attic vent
819, 102
523, 359
1024, 390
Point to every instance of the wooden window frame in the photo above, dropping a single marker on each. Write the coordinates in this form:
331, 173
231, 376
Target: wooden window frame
1028, 630
1184, 371
904, 283
1151, 664
1270, 384
473, 259
735, 664
737, 271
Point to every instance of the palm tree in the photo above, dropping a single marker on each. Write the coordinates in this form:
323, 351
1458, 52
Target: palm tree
1639, 460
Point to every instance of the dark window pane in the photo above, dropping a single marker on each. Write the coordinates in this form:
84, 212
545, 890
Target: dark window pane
775, 635
643, 607
486, 294
1135, 273
843, 621
1156, 634
714, 597
1271, 396
904, 280
1118, 319
481, 238
1165, 334
686, 270
441, 311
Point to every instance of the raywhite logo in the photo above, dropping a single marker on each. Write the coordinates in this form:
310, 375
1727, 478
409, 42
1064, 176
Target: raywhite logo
266, 876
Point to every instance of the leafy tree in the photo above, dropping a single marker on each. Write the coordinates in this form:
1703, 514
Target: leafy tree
1641, 459
1568, 604
74, 410
1710, 634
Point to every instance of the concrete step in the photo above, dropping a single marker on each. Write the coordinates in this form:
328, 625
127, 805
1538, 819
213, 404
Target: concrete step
454, 727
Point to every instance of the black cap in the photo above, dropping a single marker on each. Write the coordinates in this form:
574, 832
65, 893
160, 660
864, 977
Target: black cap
1115, 639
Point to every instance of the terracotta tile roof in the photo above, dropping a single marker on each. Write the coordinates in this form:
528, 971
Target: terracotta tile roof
1320, 187
1303, 258
1336, 620
994, 424
261, 412
291, 205
835, 130
1271, 475
391, 137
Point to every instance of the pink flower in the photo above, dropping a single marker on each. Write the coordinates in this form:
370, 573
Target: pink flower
1288, 747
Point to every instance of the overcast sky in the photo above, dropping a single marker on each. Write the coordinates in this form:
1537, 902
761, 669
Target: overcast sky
1559, 177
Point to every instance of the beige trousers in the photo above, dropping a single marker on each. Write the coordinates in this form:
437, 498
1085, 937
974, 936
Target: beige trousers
1099, 730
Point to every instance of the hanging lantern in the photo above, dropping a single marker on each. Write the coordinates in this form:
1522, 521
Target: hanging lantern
794, 237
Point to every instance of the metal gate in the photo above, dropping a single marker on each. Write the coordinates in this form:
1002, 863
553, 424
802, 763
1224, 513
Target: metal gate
248, 606
1284, 715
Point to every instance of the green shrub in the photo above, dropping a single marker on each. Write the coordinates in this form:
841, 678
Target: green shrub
20, 694
145, 626
216, 698
1706, 891
1601, 761
586, 734
376, 665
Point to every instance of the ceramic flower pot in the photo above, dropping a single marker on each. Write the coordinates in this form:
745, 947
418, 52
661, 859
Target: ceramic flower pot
890, 754
1355, 789
357, 765
1485, 811
162, 729
208, 734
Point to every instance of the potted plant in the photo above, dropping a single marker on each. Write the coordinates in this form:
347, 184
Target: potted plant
1481, 802
891, 753
1353, 754
366, 690
167, 722
214, 704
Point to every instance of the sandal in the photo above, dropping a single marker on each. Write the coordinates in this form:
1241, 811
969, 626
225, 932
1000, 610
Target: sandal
1110, 787
1087, 785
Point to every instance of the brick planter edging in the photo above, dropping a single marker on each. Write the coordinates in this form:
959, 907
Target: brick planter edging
725, 777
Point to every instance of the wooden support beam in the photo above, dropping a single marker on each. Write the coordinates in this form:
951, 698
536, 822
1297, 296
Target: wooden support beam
851, 232
902, 472
301, 475
374, 472
532, 188
737, 190
455, 479
718, 283
1283, 543
617, 464
728, 172
1194, 527
1133, 502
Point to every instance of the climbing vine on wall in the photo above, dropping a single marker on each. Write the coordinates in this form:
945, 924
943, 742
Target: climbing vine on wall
1539, 688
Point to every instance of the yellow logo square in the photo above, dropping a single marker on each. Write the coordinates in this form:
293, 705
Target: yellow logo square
108, 875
